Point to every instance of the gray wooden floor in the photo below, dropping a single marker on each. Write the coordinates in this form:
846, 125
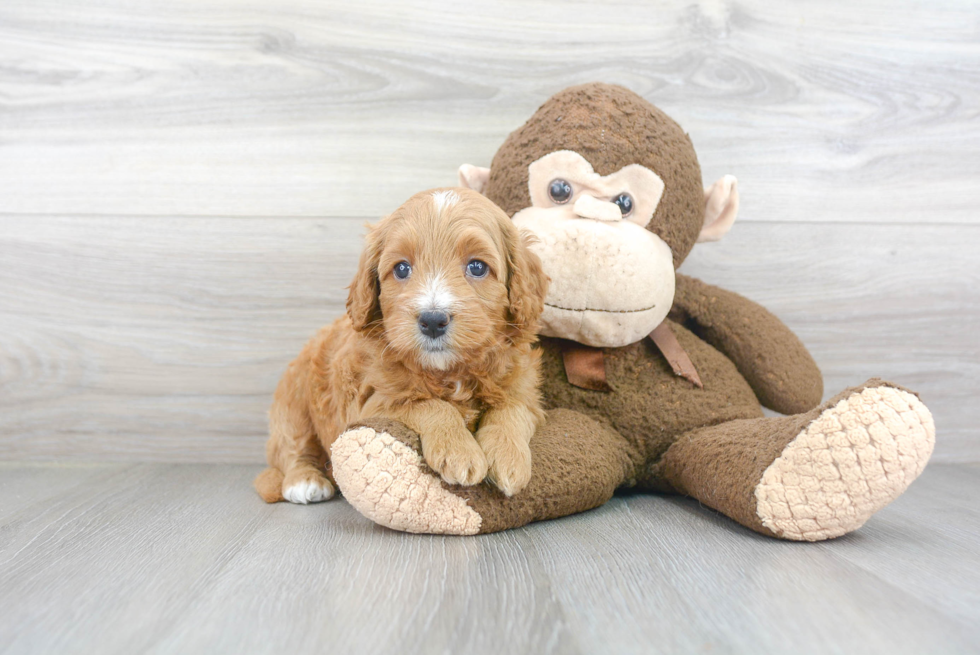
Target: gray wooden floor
171, 558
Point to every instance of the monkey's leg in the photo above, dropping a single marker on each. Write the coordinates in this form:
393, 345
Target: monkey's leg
811, 476
576, 465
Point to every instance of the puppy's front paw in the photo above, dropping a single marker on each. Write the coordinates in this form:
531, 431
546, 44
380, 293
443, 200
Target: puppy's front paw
458, 459
510, 463
306, 486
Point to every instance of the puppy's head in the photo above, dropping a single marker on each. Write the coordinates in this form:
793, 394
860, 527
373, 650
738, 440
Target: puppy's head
444, 277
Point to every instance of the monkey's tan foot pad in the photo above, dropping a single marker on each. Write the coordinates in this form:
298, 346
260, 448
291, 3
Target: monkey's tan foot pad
857, 456
386, 480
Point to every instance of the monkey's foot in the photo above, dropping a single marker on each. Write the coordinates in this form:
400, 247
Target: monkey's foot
382, 474
860, 453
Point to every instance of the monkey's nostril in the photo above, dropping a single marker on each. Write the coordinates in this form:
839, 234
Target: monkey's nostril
433, 324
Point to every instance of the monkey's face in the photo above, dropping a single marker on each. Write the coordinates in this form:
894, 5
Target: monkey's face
612, 280
611, 242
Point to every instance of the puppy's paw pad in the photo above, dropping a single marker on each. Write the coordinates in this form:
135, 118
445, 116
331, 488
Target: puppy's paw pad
459, 464
510, 469
307, 491
510, 481
465, 474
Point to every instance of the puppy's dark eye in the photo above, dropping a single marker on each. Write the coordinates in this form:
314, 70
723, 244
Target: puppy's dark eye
402, 270
625, 203
559, 191
476, 268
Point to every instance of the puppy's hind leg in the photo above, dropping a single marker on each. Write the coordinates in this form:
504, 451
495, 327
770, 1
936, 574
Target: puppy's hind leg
297, 460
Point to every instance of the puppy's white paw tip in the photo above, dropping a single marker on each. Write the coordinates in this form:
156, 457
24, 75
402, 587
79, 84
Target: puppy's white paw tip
308, 491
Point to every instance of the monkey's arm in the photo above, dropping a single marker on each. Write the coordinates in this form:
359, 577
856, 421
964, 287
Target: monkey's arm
773, 360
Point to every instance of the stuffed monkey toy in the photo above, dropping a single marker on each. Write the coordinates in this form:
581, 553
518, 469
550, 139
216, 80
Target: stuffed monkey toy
653, 380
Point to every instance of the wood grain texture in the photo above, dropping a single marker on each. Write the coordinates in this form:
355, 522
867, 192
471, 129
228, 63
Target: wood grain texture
178, 559
182, 185
130, 339
831, 111
163, 339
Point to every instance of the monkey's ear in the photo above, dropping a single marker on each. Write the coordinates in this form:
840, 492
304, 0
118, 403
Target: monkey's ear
363, 301
720, 209
473, 177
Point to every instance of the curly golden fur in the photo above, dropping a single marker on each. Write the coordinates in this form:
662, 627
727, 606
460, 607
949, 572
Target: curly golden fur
471, 393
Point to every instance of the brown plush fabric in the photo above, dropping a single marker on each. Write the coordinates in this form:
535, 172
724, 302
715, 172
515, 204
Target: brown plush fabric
649, 405
772, 359
675, 355
581, 465
610, 126
721, 465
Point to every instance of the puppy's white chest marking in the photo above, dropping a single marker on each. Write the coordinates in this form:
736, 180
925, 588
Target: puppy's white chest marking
439, 360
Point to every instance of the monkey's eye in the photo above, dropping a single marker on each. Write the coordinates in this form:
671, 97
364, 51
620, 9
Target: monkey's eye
402, 270
476, 268
559, 191
625, 203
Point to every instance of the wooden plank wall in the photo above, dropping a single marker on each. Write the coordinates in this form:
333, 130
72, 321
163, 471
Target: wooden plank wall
183, 185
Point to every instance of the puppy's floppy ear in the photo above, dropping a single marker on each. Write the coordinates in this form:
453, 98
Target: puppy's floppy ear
363, 302
527, 285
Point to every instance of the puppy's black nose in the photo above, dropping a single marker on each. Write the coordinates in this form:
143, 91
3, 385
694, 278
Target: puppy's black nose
433, 324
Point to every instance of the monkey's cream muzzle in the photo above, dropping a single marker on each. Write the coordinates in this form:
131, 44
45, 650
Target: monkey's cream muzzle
612, 280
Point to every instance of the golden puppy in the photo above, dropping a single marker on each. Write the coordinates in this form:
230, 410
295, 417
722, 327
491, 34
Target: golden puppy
440, 321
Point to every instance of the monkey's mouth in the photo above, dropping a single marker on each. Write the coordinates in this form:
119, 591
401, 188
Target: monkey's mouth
604, 311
